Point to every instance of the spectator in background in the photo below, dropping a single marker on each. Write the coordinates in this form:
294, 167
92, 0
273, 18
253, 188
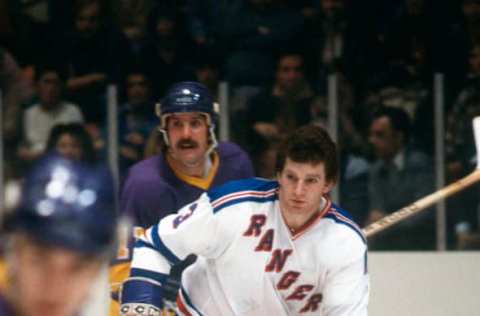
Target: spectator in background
136, 119
399, 176
461, 152
16, 90
51, 109
190, 163
206, 21
339, 37
460, 32
131, 17
459, 137
167, 52
96, 54
256, 31
277, 110
72, 142
353, 182
409, 46
207, 72
471, 13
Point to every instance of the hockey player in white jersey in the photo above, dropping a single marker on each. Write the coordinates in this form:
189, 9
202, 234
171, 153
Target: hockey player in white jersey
264, 247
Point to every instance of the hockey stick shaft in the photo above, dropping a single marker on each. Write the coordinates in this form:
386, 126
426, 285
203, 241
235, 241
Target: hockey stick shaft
421, 204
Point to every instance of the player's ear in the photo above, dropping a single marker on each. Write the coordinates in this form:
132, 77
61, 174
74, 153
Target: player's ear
328, 186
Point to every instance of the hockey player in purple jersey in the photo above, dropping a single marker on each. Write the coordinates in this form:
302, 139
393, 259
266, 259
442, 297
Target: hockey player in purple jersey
190, 163
264, 247
58, 239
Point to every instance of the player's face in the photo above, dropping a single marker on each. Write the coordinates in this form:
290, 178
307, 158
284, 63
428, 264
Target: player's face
302, 186
188, 137
48, 280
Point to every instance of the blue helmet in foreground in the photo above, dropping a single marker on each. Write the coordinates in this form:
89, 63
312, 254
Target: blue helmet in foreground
68, 204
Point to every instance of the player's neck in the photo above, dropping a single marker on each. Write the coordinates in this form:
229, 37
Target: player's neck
198, 170
297, 221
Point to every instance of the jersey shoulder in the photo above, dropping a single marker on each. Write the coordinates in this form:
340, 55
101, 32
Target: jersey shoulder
343, 220
340, 237
244, 190
146, 184
234, 162
150, 171
229, 150
150, 167
147, 174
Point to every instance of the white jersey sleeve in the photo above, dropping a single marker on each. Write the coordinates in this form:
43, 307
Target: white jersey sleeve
195, 229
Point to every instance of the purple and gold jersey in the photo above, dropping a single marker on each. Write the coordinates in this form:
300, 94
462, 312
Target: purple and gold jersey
153, 190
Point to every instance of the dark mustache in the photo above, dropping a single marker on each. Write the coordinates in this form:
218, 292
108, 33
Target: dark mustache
187, 142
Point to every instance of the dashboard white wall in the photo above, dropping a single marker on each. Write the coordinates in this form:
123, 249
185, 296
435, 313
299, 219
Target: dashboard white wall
427, 284
402, 284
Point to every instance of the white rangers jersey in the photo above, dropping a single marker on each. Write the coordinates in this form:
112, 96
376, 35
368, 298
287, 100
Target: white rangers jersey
250, 263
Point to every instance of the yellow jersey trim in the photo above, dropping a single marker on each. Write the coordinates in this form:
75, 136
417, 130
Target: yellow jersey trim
202, 183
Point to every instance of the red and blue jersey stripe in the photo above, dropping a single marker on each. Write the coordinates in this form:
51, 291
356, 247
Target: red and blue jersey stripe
248, 190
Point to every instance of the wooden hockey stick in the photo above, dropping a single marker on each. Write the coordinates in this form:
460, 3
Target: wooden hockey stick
427, 201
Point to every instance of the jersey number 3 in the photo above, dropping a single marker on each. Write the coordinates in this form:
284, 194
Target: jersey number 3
182, 217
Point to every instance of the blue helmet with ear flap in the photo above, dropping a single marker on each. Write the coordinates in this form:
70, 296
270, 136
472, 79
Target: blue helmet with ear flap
187, 96
68, 204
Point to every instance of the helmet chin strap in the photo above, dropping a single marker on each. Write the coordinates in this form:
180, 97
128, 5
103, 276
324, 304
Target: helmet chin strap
213, 140
164, 135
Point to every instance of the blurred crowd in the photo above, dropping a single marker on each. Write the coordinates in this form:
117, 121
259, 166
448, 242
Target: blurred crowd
57, 58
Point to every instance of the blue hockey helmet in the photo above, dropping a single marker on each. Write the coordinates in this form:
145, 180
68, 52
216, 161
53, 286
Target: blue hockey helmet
187, 96
68, 204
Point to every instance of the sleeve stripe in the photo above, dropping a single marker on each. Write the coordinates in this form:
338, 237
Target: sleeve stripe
140, 244
143, 291
245, 198
339, 218
159, 277
232, 187
160, 246
235, 195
